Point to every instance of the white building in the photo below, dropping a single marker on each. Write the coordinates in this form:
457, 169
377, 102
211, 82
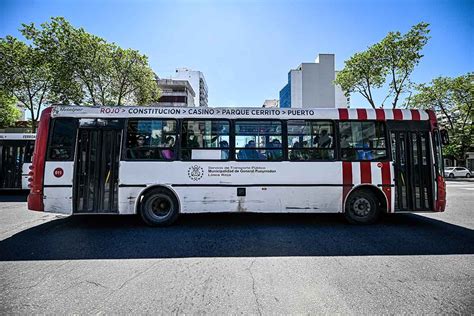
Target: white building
175, 93
272, 103
197, 82
311, 85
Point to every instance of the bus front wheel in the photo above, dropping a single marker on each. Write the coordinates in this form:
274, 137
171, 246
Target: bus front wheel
362, 207
159, 208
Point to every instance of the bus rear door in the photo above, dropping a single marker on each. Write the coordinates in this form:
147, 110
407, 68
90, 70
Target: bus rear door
413, 166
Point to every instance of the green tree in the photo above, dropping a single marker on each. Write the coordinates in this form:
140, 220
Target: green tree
67, 65
362, 75
25, 74
89, 70
453, 101
134, 81
393, 58
9, 112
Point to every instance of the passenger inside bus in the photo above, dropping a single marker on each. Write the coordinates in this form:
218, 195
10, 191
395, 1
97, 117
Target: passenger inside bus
192, 140
324, 140
250, 153
139, 151
275, 152
224, 152
344, 142
168, 153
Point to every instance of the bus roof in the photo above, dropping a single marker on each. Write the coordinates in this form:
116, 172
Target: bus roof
16, 136
236, 113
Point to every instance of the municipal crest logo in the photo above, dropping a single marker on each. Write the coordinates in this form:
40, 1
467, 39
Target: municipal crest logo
195, 172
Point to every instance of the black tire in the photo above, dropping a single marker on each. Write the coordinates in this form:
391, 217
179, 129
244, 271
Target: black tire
468, 175
451, 175
159, 207
362, 208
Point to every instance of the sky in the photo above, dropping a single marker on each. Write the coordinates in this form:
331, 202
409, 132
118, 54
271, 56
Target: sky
246, 48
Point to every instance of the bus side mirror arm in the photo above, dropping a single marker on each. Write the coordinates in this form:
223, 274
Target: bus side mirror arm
444, 137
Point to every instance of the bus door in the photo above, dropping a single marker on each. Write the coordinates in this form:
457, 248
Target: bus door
96, 169
411, 153
12, 157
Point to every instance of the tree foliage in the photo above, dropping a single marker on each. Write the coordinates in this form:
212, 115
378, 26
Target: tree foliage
89, 70
25, 74
9, 112
453, 101
394, 58
63, 64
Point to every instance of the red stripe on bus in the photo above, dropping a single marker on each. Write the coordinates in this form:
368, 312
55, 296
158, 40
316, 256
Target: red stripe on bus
432, 116
380, 114
343, 114
386, 182
346, 180
397, 114
415, 115
365, 172
35, 198
362, 114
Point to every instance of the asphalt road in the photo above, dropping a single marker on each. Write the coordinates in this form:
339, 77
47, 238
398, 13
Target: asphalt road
238, 263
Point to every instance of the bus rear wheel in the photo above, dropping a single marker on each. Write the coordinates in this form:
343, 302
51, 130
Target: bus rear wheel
362, 207
159, 207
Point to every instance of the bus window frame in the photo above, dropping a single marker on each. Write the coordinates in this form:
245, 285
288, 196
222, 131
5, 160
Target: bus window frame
123, 155
284, 140
231, 147
388, 156
335, 141
437, 144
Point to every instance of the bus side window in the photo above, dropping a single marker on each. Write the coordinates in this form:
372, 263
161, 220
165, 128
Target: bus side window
258, 140
151, 139
362, 140
310, 140
30, 146
63, 140
205, 140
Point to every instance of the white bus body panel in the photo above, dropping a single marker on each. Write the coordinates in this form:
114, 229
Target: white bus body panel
25, 169
278, 187
270, 186
58, 190
261, 200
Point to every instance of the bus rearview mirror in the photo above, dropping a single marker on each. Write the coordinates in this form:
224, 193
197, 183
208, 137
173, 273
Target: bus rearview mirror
444, 137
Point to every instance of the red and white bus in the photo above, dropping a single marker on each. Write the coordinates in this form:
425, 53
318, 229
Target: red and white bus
16, 150
160, 162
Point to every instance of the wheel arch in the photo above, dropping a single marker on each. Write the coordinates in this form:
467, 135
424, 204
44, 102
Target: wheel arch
149, 188
377, 191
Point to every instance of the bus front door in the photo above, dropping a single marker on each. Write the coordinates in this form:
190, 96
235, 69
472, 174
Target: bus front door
96, 170
413, 170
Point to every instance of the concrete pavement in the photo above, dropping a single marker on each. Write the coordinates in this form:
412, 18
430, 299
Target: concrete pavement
239, 263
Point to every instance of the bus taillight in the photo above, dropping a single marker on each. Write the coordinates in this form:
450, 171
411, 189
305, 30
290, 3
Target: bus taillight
441, 198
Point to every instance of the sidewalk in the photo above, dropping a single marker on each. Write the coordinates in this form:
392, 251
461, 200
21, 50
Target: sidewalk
460, 179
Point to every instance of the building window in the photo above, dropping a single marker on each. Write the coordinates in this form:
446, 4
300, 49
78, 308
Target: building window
205, 140
258, 140
151, 139
173, 99
362, 141
310, 140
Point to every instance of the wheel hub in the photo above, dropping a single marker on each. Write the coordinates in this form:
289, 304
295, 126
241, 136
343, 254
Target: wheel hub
161, 207
361, 207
